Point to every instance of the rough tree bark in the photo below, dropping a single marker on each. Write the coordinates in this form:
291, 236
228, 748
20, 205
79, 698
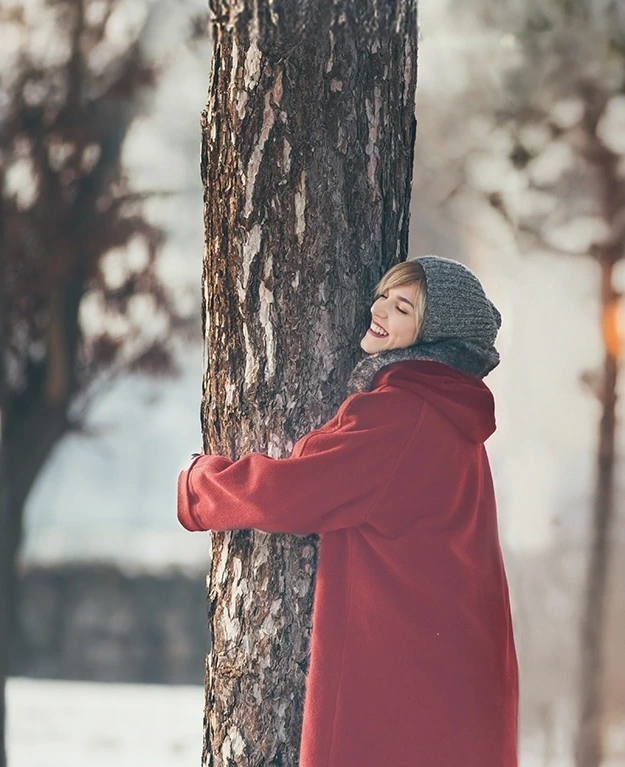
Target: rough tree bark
589, 751
307, 155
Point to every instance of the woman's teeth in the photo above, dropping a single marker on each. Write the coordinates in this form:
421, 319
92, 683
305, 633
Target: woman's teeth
377, 330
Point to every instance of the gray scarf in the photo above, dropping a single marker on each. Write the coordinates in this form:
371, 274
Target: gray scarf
460, 355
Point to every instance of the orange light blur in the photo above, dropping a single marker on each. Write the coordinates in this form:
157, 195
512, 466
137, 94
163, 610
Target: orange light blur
611, 328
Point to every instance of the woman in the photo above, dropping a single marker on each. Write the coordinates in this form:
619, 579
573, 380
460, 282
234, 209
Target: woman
412, 653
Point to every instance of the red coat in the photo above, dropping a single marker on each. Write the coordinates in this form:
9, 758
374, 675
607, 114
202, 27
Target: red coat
412, 655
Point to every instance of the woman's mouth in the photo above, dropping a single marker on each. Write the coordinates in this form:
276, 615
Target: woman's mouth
377, 331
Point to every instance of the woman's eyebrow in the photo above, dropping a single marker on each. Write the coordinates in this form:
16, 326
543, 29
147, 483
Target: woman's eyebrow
399, 298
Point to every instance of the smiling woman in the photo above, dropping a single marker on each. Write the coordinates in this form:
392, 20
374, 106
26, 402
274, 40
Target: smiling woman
412, 658
398, 310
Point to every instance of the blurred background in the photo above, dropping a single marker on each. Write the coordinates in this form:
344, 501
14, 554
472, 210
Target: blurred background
519, 173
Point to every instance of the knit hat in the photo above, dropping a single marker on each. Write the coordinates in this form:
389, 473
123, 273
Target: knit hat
459, 327
457, 306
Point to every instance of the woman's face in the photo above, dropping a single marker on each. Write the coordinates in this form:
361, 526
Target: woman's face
393, 320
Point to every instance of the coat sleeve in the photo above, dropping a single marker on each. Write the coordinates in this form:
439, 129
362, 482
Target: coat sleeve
331, 480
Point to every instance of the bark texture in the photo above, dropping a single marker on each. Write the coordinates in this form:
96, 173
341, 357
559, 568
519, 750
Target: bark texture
307, 154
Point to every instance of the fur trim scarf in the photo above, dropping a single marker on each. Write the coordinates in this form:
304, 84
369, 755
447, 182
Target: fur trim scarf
462, 355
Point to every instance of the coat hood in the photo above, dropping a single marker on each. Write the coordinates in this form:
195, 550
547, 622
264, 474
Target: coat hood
464, 400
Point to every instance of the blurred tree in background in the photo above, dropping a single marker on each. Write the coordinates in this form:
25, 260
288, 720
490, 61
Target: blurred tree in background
79, 293
556, 174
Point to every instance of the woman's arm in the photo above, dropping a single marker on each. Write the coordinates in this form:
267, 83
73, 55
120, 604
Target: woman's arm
332, 479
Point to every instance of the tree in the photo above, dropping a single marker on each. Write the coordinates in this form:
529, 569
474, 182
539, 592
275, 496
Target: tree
67, 216
5, 576
307, 160
563, 115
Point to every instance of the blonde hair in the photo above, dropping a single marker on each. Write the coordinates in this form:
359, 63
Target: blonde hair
407, 273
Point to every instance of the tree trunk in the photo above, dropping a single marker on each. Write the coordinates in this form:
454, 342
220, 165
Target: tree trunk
589, 747
18, 470
308, 142
32, 423
6, 574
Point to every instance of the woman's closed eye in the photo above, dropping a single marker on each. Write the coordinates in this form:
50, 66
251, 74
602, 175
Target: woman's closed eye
385, 295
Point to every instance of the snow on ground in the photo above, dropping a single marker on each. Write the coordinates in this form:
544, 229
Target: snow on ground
73, 724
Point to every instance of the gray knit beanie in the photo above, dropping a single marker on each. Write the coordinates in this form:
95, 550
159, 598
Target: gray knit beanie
459, 327
457, 306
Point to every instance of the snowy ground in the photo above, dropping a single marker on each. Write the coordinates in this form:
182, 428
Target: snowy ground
73, 724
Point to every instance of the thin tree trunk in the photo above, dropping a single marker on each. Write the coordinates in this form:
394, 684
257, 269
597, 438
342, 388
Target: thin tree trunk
6, 566
18, 471
33, 422
4, 520
307, 154
5, 602
589, 746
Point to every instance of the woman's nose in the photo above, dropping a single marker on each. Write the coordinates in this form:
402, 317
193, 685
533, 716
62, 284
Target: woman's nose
379, 309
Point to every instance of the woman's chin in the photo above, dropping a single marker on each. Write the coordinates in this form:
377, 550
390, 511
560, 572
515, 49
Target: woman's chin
369, 345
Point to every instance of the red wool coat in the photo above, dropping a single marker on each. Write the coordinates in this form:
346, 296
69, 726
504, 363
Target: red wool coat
412, 655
